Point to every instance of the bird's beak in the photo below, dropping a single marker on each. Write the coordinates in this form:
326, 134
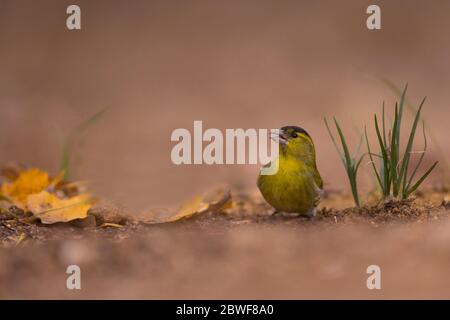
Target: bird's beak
280, 137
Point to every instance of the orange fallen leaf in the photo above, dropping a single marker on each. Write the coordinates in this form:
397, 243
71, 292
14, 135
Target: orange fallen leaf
194, 206
51, 209
11, 171
56, 180
219, 200
48, 199
28, 182
189, 208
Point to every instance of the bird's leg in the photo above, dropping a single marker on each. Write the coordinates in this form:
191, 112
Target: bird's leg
311, 213
276, 212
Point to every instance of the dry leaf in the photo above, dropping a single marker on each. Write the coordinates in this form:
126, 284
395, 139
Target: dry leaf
56, 180
219, 200
111, 225
189, 208
50, 209
20, 239
197, 205
46, 198
12, 170
28, 182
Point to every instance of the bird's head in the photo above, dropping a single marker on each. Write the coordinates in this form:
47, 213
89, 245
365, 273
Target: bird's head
295, 141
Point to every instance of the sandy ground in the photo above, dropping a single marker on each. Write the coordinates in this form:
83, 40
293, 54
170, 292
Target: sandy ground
246, 262
243, 257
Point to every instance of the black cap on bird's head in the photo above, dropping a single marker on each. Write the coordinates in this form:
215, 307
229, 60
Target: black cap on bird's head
289, 132
294, 129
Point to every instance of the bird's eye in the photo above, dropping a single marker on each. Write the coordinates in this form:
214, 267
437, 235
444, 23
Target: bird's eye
294, 135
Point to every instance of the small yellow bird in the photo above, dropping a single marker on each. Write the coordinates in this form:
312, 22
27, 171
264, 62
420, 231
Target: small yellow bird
297, 186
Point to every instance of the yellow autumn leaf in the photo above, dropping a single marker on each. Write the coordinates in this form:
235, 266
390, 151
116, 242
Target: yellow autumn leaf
50, 209
56, 180
196, 205
28, 182
189, 208
218, 200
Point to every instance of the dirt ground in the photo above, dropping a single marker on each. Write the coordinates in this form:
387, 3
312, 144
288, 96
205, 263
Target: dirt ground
240, 254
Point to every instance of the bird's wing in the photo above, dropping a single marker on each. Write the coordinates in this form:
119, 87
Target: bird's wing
318, 186
318, 179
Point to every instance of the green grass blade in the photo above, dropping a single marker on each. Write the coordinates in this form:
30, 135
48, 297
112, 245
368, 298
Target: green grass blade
344, 144
422, 156
65, 159
68, 144
400, 114
394, 153
359, 163
348, 162
334, 142
358, 149
384, 155
384, 126
418, 183
373, 162
89, 122
407, 153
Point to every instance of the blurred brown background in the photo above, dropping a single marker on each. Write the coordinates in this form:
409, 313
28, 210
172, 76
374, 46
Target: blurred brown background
160, 65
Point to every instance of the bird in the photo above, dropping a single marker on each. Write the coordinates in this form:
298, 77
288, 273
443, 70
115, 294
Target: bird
297, 185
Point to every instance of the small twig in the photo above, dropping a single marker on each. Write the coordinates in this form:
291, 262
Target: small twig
4, 223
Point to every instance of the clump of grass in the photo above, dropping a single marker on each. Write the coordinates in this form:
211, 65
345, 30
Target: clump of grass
436, 143
351, 163
393, 176
73, 136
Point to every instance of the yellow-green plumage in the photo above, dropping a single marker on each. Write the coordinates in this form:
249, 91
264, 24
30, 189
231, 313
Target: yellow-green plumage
297, 185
